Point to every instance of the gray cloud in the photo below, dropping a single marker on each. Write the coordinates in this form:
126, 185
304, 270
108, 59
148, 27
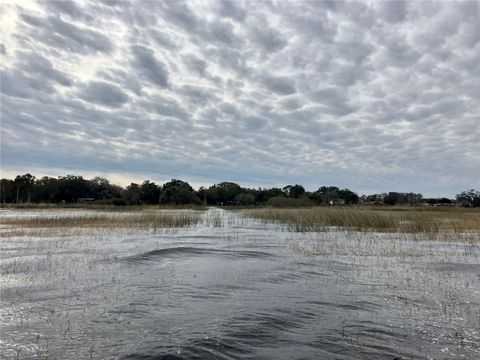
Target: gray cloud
232, 10
393, 11
16, 83
280, 85
222, 31
228, 58
54, 31
67, 7
146, 63
126, 80
180, 14
333, 101
104, 94
38, 66
198, 95
380, 95
195, 64
163, 39
32, 73
269, 39
167, 107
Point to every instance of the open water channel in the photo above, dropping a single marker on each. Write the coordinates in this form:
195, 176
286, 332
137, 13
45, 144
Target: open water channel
236, 288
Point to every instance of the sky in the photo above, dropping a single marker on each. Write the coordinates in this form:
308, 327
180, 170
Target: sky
370, 96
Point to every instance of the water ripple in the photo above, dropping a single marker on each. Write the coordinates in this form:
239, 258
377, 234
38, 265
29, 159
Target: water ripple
188, 251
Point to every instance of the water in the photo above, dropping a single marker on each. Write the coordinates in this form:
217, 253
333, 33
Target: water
237, 288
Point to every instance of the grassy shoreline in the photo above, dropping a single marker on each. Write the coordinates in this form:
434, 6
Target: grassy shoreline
384, 219
100, 207
148, 219
431, 222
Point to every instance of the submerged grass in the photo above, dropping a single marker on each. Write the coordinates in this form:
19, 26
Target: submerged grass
105, 220
401, 220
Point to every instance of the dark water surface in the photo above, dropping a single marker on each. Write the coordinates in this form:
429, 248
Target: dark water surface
240, 290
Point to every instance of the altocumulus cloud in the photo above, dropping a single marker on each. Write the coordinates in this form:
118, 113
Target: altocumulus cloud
374, 96
100, 92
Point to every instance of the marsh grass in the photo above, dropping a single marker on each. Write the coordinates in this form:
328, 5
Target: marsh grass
214, 219
402, 220
143, 220
99, 207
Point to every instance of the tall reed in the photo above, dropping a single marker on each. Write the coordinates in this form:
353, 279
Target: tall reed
118, 220
367, 219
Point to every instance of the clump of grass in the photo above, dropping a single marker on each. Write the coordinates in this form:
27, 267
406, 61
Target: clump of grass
367, 219
37, 232
214, 218
104, 220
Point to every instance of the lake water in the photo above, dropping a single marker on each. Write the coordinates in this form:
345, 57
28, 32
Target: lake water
236, 288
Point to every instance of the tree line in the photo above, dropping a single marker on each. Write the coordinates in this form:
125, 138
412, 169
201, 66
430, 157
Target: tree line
72, 189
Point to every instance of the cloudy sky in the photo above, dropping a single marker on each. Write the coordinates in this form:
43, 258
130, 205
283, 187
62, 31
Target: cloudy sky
373, 96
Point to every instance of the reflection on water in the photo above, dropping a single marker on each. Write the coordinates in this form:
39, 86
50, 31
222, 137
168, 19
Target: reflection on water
231, 287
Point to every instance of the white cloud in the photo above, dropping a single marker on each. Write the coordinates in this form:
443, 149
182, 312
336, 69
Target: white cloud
364, 95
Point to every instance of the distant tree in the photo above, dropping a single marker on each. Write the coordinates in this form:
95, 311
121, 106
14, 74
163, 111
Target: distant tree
442, 200
7, 191
149, 192
332, 194
294, 191
469, 198
133, 194
286, 190
24, 186
223, 193
202, 195
262, 195
72, 187
46, 189
246, 198
326, 194
178, 192
348, 196
283, 201
391, 198
397, 198
102, 189
411, 198
373, 199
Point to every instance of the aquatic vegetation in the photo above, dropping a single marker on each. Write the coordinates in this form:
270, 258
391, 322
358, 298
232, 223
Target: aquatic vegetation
403, 220
79, 283
149, 219
215, 218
